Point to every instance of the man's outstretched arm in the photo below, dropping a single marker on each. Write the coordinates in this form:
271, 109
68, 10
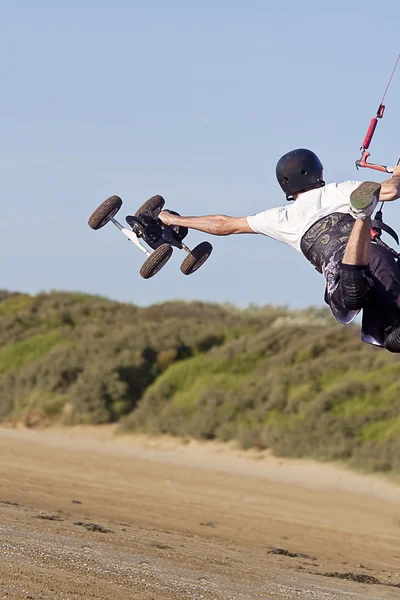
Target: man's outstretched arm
390, 189
214, 224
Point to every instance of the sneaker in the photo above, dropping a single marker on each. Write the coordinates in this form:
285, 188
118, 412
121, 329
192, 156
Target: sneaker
392, 342
364, 199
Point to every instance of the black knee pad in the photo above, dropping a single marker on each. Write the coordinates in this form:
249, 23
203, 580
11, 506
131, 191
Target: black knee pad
353, 285
392, 342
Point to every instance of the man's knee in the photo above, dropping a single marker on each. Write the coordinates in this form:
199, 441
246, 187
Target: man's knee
353, 285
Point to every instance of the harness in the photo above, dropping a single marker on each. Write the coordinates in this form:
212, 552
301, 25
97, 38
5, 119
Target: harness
326, 236
332, 232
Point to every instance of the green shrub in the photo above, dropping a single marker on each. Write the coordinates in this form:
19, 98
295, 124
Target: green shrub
294, 382
14, 356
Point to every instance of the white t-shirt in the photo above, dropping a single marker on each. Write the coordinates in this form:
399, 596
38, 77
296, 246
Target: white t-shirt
289, 223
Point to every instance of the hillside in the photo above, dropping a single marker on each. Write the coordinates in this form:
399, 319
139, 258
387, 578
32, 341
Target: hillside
291, 381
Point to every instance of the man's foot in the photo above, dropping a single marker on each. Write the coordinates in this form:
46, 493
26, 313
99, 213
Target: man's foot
364, 199
392, 342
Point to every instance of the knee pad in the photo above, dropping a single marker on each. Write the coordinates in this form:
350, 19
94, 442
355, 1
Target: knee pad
392, 342
353, 285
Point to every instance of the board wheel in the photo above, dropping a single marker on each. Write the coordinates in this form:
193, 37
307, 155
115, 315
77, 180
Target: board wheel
106, 211
152, 205
156, 261
196, 258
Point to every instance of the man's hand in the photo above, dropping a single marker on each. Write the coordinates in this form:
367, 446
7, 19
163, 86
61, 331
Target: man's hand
396, 171
390, 189
167, 218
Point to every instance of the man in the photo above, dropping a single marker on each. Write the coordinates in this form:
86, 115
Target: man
331, 226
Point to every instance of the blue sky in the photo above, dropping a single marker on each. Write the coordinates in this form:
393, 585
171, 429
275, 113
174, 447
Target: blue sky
195, 101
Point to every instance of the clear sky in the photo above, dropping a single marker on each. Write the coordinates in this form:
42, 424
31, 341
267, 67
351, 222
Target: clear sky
195, 101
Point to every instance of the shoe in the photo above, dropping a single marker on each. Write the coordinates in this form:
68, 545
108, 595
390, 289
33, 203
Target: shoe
392, 342
364, 199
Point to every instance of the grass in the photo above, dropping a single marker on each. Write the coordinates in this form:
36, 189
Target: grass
187, 380
37, 406
14, 356
381, 431
15, 304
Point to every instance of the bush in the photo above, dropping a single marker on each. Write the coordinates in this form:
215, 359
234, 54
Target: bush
290, 381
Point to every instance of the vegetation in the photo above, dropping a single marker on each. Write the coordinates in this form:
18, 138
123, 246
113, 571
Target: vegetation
294, 382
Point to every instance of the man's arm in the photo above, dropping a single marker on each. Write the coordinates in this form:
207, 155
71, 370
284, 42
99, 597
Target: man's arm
214, 224
390, 189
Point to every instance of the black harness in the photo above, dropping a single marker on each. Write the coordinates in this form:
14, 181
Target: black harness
330, 233
326, 236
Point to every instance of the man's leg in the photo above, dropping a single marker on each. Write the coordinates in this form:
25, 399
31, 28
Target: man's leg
358, 249
357, 256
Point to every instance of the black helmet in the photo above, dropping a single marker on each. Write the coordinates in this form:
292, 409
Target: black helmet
298, 171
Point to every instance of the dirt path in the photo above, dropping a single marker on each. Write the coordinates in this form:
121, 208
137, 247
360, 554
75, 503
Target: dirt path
83, 515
